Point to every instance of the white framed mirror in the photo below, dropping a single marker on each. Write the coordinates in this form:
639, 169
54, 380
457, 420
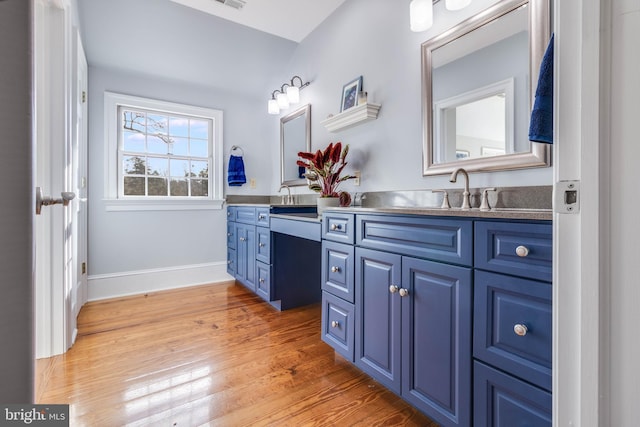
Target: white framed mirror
295, 136
478, 82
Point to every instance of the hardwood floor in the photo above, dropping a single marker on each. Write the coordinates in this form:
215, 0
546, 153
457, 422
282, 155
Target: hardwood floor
211, 355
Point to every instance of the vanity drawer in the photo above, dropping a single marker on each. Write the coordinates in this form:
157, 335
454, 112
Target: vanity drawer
338, 227
500, 400
262, 216
519, 249
231, 261
263, 239
337, 269
447, 240
263, 285
503, 305
338, 327
231, 235
231, 213
246, 215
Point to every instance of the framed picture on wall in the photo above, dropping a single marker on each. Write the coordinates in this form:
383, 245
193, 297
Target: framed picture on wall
350, 94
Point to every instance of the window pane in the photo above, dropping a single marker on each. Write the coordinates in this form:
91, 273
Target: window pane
158, 166
200, 169
179, 167
133, 120
132, 141
180, 146
158, 187
134, 165
199, 148
157, 145
157, 125
178, 126
199, 129
199, 187
133, 186
179, 187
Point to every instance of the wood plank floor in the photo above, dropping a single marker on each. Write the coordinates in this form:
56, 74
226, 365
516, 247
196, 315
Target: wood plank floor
211, 355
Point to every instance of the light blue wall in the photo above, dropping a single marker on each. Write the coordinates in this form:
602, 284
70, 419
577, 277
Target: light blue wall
140, 240
372, 38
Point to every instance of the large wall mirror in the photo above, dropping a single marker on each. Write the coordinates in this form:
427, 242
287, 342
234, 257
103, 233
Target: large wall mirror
478, 82
295, 136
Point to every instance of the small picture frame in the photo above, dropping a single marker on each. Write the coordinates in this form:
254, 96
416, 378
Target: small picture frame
350, 93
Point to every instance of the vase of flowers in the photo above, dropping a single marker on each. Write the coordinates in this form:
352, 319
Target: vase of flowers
323, 174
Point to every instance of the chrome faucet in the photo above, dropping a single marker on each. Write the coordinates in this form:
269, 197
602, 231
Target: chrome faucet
289, 198
466, 203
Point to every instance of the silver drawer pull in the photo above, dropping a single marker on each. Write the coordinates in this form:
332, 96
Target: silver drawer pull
335, 323
335, 227
261, 217
261, 280
393, 289
335, 269
404, 292
261, 245
522, 251
520, 329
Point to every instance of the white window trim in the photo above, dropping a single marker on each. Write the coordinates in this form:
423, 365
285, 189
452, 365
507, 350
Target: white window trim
112, 203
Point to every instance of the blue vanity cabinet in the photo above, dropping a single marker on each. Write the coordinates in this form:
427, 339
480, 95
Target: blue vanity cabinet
263, 254
413, 331
413, 310
246, 255
512, 343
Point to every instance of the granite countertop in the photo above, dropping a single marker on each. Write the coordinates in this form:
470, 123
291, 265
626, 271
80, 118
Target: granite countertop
497, 213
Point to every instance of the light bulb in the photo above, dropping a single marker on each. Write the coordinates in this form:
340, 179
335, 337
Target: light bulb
293, 93
283, 101
456, 4
420, 15
273, 107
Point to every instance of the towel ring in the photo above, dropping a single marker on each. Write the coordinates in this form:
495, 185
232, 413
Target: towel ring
236, 147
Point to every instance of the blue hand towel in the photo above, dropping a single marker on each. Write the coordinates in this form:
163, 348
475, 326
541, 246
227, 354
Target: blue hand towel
235, 174
541, 125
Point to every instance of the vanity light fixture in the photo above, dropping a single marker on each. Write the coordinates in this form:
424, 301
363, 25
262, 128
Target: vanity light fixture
421, 12
288, 94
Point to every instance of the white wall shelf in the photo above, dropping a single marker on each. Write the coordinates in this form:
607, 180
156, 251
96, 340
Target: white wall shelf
353, 116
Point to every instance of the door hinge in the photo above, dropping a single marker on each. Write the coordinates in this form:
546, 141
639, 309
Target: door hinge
84, 268
84, 96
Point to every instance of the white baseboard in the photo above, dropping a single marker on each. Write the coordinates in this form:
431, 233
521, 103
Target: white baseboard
104, 286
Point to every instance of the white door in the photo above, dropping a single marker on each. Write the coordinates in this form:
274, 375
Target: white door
60, 80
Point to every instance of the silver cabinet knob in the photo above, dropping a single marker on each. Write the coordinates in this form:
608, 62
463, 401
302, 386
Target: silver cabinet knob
229, 234
522, 251
243, 239
404, 292
261, 280
261, 245
393, 289
335, 269
520, 329
260, 217
335, 227
335, 323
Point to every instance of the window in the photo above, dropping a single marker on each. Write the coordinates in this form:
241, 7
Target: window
162, 155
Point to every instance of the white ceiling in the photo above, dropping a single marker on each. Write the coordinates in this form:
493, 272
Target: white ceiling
290, 19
